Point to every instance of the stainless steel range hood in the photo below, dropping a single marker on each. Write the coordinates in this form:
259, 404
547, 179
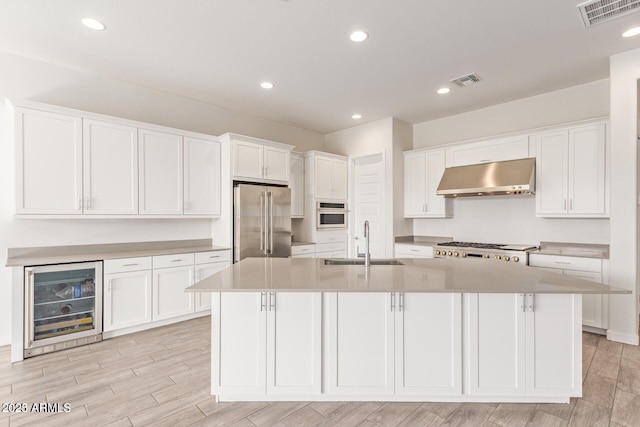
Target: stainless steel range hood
489, 179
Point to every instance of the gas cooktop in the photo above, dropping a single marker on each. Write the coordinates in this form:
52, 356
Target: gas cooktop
494, 246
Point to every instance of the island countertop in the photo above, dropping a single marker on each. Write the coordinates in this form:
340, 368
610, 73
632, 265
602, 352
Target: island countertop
416, 275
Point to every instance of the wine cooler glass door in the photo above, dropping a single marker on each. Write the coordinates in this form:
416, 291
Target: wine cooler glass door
62, 302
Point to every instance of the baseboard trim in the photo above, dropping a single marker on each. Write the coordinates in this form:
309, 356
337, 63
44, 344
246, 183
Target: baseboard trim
623, 338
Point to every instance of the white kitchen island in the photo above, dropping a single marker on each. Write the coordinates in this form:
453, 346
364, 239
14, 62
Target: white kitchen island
428, 330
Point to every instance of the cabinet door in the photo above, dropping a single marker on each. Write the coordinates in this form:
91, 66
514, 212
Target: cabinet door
415, 184
587, 170
323, 178
127, 299
591, 304
238, 341
48, 163
296, 183
202, 271
247, 160
554, 360
276, 163
339, 179
161, 173
496, 344
294, 336
110, 154
169, 298
436, 206
428, 353
488, 151
552, 153
359, 343
201, 177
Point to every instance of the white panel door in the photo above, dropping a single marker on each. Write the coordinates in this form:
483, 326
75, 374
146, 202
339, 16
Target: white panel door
323, 176
294, 343
110, 153
552, 151
339, 179
201, 177
202, 271
496, 344
238, 343
369, 205
587, 169
591, 304
436, 206
296, 180
160, 173
247, 160
276, 163
169, 298
127, 299
48, 163
554, 360
415, 184
360, 343
428, 344
516, 147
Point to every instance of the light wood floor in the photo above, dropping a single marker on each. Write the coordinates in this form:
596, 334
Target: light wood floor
161, 377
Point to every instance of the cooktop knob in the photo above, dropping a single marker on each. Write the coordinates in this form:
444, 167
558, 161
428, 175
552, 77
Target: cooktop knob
485, 255
497, 257
455, 254
506, 258
463, 255
449, 253
437, 252
515, 259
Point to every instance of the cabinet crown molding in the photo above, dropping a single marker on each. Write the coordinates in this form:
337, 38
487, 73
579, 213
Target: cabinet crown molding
228, 137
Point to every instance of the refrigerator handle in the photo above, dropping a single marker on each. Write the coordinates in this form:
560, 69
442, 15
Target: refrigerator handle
262, 214
270, 223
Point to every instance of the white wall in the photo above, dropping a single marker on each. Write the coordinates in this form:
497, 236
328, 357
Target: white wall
402, 141
512, 219
25, 78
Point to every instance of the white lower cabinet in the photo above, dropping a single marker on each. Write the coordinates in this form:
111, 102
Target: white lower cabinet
539, 342
413, 251
202, 271
169, 298
127, 296
394, 343
266, 343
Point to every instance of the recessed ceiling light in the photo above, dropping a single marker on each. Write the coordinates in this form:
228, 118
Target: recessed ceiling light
631, 32
266, 85
358, 36
94, 24
443, 90
356, 116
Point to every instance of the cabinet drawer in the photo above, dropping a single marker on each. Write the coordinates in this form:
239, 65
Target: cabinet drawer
309, 255
331, 236
414, 250
212, 256
566, 262
122, 265
330, 247
332, 254
302, 249
175, 260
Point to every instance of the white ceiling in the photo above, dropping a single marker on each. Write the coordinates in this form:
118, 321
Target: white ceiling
218, 51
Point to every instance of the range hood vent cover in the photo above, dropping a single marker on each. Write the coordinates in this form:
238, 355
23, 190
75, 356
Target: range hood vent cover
489, 179
468, 79
598, 11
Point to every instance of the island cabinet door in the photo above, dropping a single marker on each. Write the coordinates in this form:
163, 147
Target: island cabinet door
554, 345
294, 339
495, 344
428, 344
238, 334
359, 343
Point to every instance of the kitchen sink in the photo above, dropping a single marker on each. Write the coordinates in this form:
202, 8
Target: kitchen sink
360, 261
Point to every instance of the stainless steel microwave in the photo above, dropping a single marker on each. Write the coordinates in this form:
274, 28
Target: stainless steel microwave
331, 215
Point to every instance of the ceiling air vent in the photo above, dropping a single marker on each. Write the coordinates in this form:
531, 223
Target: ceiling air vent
468, 79
598, 11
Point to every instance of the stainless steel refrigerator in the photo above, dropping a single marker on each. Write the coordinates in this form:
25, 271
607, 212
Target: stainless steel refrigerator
261, 221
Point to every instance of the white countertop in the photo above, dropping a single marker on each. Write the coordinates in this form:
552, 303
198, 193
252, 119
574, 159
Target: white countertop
417, 275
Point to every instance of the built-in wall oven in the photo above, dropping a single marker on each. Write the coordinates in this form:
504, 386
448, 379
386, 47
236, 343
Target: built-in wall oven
63, 306
331, 215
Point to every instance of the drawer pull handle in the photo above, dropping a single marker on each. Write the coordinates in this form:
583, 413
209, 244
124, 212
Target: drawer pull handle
175, 260
563, 262
214, 256
415, 250
129, 265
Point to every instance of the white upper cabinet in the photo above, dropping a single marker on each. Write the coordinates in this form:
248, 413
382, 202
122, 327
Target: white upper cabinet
296, 183
110, 154
571, 172
160, 173
49, 163
260, 160
512, 148
329, 174
422, 173
201, 177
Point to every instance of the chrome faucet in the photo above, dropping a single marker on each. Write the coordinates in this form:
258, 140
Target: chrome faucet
366, 255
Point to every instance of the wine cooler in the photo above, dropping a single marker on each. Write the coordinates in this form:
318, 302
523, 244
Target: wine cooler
63, 306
